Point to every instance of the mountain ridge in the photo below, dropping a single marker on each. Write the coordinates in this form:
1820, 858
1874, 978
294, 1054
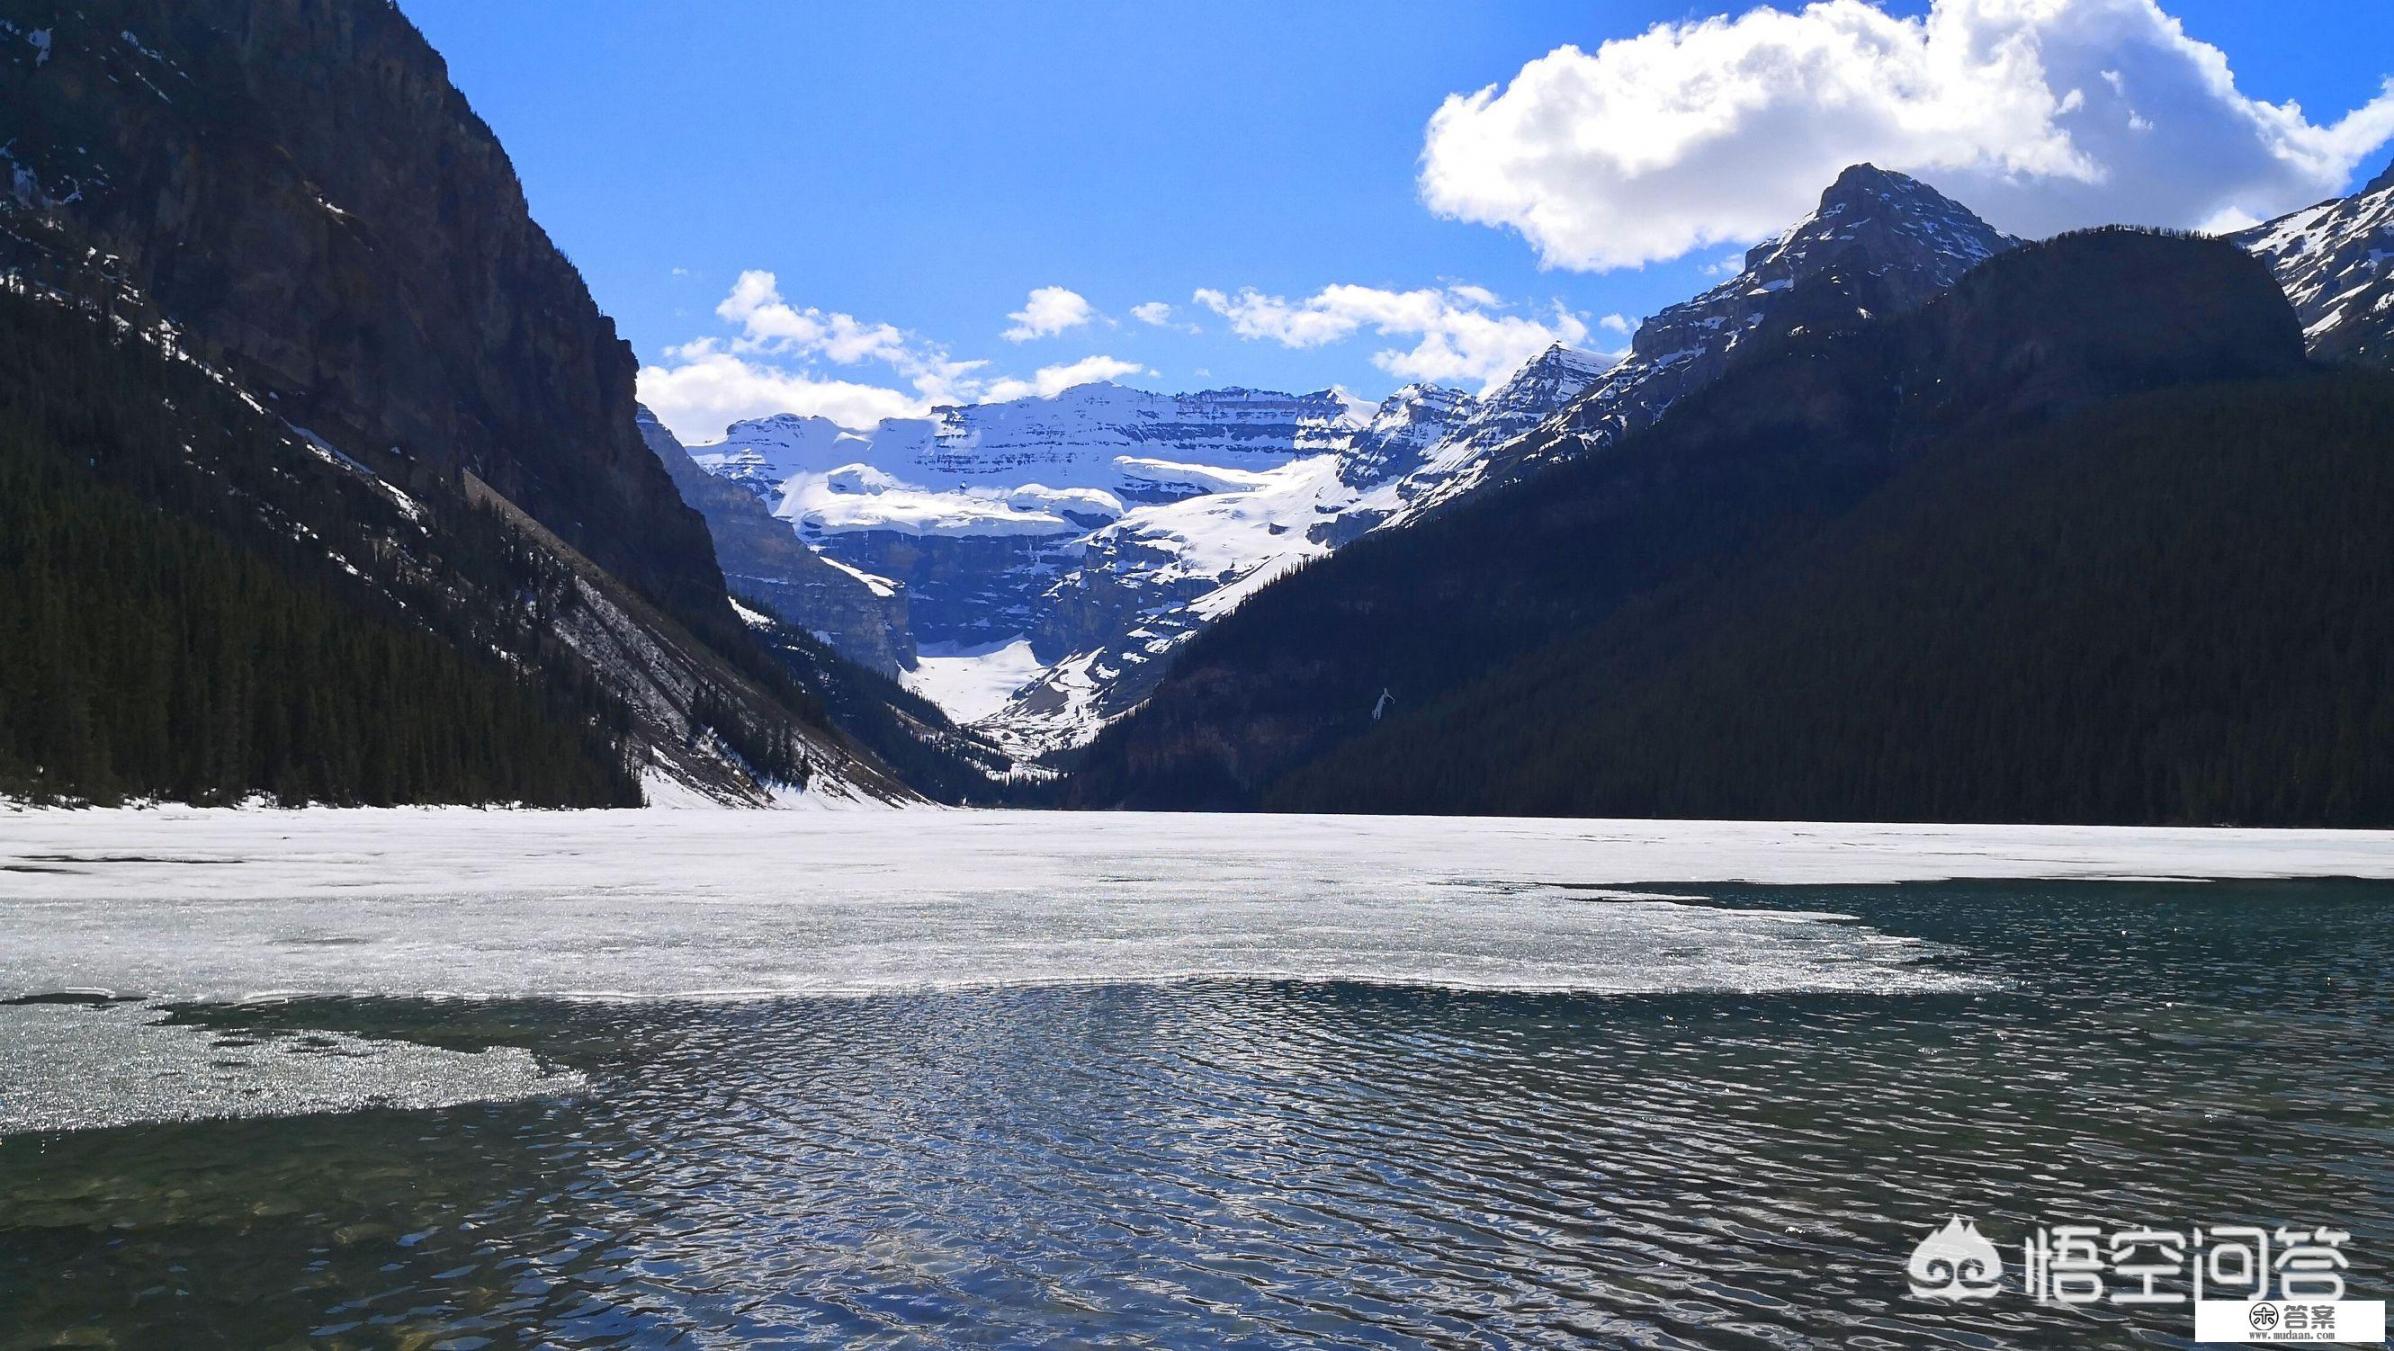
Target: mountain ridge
2335, 260
1801, 431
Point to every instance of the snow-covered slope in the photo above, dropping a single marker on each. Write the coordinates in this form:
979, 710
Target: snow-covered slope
1148, 582
975, 512
1101, 525
1535, 392
1107, 525
1879, 242
2336, 263
766, 565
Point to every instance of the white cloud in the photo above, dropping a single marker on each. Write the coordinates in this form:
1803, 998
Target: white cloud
1462, 332
1052, 380
770, 363
1158, 314
1049, 311
705, 391
1615, 323
2040, 114
770, 324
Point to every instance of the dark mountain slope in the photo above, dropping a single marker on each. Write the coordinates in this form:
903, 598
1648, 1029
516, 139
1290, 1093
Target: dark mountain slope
296, 185
2172, 609
285, 200
195, 604
1791, 439
907, 732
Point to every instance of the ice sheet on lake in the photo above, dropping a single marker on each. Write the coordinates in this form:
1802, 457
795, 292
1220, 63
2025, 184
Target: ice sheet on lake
198, 905
70, 1067
208, 906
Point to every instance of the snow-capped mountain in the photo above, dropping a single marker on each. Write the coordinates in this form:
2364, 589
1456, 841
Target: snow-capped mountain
766, 565
1101, 525
1151, 580
1106, 525
1403, 429
1080, 438
975, 512
1536, 391
1879, 243
2336, 263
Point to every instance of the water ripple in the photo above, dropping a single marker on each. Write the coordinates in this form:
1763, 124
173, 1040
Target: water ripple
1254, 1163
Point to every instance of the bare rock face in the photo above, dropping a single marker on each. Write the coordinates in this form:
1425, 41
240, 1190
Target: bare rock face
298, 187
1402, 431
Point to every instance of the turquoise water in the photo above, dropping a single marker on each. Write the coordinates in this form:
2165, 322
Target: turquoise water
1233, 1163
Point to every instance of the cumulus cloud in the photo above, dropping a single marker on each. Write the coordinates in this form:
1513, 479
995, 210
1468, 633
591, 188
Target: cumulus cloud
769, 323
1052, 380
1049, 311
701, 393
2040, 114
772, 362
1159, 314
1462, 333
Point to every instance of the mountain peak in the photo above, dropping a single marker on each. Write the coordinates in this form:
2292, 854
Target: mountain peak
1870, 176
1566, 358
1894, 219
2383, 181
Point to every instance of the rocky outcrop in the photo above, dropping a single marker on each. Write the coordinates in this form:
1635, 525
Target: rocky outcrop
298, 187
1402, 431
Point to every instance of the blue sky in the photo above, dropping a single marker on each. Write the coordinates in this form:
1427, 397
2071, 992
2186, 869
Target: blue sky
909, 173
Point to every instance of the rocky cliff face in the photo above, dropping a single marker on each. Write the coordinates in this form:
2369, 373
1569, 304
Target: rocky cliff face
1403, 430
298, 187
1076, 438
2336, 263
289, 194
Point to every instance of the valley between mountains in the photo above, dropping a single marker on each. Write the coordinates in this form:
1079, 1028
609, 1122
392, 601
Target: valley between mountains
1905, 518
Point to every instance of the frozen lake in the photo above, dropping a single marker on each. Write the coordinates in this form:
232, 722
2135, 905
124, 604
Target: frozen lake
945, 1078
200, 905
